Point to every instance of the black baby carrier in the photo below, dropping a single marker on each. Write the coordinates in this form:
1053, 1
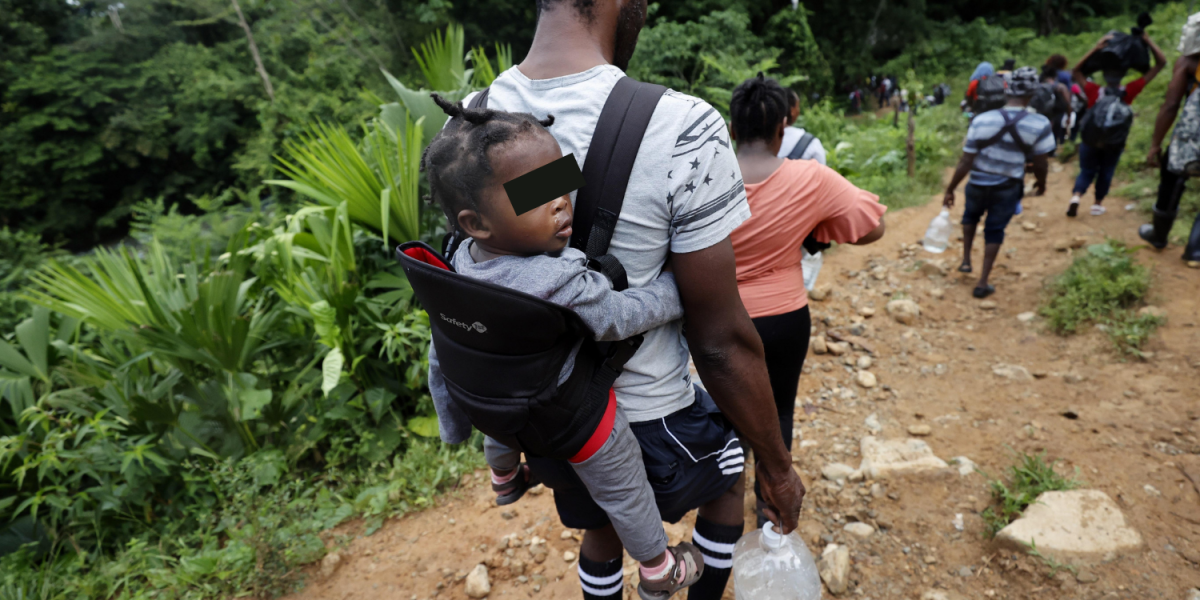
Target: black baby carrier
501, 351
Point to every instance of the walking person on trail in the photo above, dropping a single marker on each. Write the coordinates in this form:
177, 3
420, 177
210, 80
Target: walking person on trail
1053, 100
684, 197
1181, 159
986, 90
1006, 70
1107, 124
791, 201
528, 252
798, 144
999, 144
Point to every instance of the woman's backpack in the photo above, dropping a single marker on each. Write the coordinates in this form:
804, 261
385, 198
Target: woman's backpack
501, 351
990, 94
1107, 122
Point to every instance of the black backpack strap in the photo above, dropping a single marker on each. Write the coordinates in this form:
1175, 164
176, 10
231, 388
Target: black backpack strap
614, 147
1010, 126
802, 144
480, 99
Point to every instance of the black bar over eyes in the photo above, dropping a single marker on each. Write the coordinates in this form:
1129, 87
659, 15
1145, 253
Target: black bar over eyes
544, 184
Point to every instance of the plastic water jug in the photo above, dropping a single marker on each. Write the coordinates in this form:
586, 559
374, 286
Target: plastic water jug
810, 265
937, 237
770, 566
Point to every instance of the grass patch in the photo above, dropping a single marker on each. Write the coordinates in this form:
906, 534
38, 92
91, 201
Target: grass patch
1031, 476
249, 528
1103, 286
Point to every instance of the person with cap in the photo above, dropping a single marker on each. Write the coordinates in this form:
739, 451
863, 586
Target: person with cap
999, 144
1099, 163
1184, 82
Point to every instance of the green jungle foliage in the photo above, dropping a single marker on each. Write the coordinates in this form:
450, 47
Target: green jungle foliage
186, 413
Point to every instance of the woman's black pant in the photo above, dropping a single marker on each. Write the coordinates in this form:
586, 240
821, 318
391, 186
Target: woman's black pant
785, 341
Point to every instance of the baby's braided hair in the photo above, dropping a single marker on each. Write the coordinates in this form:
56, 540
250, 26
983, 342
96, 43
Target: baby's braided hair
757, 108
456, 161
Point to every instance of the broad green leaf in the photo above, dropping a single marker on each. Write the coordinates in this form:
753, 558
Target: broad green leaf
423, 426
12, 360
34, 335
331, 370
253, 401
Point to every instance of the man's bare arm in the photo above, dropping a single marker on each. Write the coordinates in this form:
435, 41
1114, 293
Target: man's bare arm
1041, 166
960, 172
729, 356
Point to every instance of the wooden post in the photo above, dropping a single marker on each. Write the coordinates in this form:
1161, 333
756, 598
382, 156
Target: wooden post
911, 145
258, 63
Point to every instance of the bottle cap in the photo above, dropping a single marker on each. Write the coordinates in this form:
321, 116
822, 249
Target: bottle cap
771, 538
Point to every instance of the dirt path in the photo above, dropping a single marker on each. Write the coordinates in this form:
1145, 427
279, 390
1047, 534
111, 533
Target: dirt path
1136, 420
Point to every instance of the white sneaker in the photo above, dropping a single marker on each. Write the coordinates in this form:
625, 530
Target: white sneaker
1098, 210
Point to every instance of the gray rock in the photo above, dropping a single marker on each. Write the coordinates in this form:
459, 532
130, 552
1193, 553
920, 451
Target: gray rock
904, 311
834, 568
864, 362
1193, 594
872, 423
477, 585
1026, 317
1012, 372
818, 345
866, 379
821, 292
836, 471
1079, 526
964, 465
861, 531
330, 563
941, 595
920, 430
885, 458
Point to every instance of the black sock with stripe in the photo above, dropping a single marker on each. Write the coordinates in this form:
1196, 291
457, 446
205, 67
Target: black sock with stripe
601, 580
716, 545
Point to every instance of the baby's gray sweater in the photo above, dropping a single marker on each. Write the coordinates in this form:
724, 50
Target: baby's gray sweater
564, 280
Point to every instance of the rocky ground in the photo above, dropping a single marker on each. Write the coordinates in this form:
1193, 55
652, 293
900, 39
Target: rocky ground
891, 419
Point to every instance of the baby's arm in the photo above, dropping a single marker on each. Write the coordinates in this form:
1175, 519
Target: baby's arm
619, 315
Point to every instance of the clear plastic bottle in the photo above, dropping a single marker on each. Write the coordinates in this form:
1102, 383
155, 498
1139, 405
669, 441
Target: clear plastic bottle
937, 237
810, 264
770, 566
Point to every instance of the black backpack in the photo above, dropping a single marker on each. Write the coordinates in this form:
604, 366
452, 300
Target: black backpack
501, 351
1107, 123
1045, 99
990, 94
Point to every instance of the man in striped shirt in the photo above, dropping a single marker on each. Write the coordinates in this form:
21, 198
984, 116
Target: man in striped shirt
999, 145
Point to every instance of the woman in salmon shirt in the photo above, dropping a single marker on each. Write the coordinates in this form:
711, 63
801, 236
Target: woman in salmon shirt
789, 200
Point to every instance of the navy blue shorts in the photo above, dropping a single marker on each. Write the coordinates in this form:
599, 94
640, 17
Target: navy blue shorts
692, 456
1000, 204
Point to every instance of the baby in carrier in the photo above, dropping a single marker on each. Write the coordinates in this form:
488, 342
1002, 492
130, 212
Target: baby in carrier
468, 164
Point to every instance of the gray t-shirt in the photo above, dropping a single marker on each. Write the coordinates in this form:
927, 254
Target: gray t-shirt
685, 194
564, 280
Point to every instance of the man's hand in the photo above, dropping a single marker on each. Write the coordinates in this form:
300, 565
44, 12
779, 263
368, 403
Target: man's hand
783, 492
1039, 188
948, 199
1152, 157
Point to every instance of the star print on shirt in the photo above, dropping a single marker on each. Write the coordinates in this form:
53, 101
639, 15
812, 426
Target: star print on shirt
707, 179
690, 187
669, 174
670, 198
695, 164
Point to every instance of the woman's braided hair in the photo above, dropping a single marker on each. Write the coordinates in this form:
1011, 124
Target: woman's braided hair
456, 161
758, 107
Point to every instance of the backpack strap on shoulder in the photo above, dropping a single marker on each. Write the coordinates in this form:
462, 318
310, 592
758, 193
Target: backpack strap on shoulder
614, 147
1010, 126
480, 99
801, 146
